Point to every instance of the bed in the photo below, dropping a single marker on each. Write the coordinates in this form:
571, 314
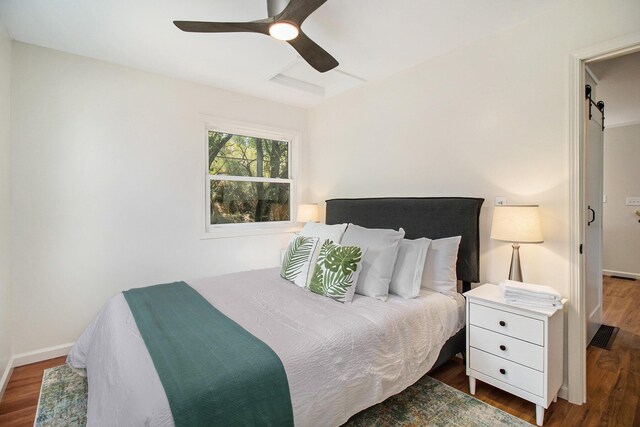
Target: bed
339, 358
432, 217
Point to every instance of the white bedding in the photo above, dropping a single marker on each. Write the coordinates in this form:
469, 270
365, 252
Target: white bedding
339, 358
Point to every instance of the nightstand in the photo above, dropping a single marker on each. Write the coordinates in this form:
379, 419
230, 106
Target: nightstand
515, 348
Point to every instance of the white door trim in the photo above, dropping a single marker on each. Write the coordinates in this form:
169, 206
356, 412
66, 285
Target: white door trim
576, 329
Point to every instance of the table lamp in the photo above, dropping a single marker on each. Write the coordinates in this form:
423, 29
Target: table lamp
516, 224
308, 212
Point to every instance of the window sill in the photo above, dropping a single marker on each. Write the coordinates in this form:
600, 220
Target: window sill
227, 232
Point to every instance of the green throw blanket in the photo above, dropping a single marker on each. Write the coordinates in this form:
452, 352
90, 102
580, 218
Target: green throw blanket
213, 371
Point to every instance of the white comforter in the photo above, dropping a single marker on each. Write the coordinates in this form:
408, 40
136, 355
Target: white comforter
339, 358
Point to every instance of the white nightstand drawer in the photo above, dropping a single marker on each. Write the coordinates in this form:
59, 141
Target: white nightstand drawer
513, 349
514, 325
508, 372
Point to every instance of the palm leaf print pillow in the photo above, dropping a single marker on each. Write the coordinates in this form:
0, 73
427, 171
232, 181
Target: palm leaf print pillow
296, 263
336, 271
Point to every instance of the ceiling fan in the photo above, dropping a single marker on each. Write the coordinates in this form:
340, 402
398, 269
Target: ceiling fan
284, 23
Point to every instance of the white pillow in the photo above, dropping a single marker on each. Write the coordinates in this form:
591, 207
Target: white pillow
381, 251
440, 268
323, 231
298, 260
407, 273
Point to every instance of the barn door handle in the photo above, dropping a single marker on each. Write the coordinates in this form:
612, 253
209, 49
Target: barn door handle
593, 215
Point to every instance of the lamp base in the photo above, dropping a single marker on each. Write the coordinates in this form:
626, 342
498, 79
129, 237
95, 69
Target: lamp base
515, 272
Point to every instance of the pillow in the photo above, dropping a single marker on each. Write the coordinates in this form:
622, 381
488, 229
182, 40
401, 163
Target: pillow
407, 273
337, 270
379, 260
323, 231
440, 268
297, 260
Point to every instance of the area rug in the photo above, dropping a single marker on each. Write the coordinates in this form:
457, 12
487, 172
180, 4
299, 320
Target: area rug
63, 398
432, 403
63, 402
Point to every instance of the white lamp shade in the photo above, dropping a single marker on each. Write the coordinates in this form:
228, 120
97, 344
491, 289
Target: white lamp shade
308, 212
517, 224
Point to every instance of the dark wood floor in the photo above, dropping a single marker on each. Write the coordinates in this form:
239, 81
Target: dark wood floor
613, 377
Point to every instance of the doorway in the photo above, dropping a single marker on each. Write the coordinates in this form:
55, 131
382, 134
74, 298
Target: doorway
580, 215
612, 185
618, 84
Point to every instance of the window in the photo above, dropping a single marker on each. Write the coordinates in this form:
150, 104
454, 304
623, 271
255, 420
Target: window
249, 178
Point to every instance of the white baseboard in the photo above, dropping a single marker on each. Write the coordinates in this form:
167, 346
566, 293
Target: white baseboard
42, 354
621, 274
31, 357
563, 393
5, 377
595, 310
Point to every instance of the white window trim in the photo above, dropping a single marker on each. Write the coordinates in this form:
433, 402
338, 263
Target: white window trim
219, 124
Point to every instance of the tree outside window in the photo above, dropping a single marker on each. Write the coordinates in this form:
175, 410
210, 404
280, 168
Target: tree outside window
250, 179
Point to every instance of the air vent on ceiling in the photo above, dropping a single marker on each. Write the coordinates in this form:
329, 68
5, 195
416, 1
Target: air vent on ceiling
300, 76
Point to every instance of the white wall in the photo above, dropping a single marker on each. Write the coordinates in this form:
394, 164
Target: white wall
107, 179
487, 120
621, 226
5, 200
106, 161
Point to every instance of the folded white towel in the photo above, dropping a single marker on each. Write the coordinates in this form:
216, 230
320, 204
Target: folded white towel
514, 293
529, 303
527, 289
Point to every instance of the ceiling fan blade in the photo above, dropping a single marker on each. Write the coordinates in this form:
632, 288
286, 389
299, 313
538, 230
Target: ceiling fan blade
316, 56
261, 26
299, 10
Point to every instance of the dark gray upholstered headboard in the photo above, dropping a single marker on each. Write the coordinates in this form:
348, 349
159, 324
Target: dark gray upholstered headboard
432, 217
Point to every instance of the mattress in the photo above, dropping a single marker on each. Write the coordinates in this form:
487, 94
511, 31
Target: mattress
339, 358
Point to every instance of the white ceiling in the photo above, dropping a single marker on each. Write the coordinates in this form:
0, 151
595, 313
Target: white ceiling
370, 38
619, 88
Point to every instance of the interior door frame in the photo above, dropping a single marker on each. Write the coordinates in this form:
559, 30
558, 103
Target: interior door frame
576, 318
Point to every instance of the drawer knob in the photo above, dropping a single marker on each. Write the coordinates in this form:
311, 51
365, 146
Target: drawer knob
502, 371
502, 323
503, 348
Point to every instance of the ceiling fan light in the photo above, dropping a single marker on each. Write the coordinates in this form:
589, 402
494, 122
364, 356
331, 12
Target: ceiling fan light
283, 31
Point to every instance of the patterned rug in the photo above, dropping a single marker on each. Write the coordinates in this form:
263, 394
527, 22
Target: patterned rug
432, 403
63, 402
63, 398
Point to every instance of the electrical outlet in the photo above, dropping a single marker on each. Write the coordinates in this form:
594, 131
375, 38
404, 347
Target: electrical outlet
633, 201
501, 201
604, 198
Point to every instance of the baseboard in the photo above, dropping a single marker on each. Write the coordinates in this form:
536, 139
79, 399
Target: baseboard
563, 393
5, 377
40, 355
31, 357
621, 274
595, 310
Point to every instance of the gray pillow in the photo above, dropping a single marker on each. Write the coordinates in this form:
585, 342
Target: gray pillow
379, 259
